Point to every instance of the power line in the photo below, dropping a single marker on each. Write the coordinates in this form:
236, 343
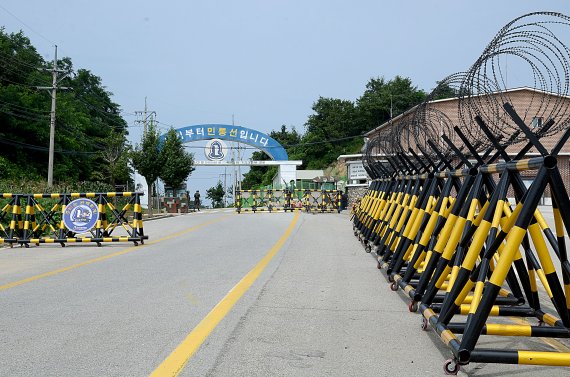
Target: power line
43, 149
24, 108
26, 86
13, 70
109, 116
24, 63
323, 141
26, 25
80, 96
34, 117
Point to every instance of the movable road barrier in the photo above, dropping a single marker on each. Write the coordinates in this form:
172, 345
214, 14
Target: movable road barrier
321, 201
70, 218
438, 218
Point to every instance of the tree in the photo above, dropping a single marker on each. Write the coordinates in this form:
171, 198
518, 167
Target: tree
147, 160
86, 116
334, 120
382, 99
216, 195
443, 91
177, 163
336, 126
263, 175
115, 155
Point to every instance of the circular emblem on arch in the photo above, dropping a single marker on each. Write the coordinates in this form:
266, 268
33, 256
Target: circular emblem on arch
80, 215
215, 150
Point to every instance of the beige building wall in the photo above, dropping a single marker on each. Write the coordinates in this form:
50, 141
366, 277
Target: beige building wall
529, 104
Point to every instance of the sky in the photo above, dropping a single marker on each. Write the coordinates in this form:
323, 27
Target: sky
262, 62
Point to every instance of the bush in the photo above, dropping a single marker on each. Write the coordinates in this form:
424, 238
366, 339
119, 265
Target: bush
40, 187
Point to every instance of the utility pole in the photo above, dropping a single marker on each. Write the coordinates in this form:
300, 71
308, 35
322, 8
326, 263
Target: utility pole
225, 188
146, 116
54, 82
236, 167
238, 178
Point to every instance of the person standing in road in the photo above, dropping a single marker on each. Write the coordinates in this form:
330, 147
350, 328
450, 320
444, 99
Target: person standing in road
197, 200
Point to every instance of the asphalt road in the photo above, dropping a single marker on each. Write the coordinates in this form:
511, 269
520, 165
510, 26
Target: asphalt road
308, 302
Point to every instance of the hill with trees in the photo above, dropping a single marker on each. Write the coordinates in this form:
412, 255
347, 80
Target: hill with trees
336, 126
90, 138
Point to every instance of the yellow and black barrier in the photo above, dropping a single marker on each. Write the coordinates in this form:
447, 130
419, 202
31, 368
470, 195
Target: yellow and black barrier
449, 215
454, 244
316, 201
71, 218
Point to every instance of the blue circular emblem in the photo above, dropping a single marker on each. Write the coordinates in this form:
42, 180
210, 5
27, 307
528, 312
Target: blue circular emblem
80, 215
215, 150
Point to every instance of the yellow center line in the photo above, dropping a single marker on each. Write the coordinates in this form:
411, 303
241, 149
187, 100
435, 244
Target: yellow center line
108, 256
175, 362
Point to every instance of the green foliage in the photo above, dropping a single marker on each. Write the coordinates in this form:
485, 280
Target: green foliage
259, 176
146, 157
334, 120
382, 99
86, 119
216, 195
177, 163
116, 168
443, 90
336, 127
39, 187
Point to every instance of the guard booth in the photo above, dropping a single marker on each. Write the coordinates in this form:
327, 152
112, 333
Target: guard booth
176, 200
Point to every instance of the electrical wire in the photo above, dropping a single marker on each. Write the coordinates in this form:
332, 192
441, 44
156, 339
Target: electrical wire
43, 149
26, 25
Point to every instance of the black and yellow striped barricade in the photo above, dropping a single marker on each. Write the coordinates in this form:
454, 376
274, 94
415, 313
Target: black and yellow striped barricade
330, 200
249, 201
71, 218
288, 200
316, 201
455, 245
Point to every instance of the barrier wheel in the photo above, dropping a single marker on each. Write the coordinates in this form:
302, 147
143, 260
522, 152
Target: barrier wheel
394, 286
451, 368
98, 244
368, 249
379, 265
425, 324
27, 246
136, 243
390, 278
413, 306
